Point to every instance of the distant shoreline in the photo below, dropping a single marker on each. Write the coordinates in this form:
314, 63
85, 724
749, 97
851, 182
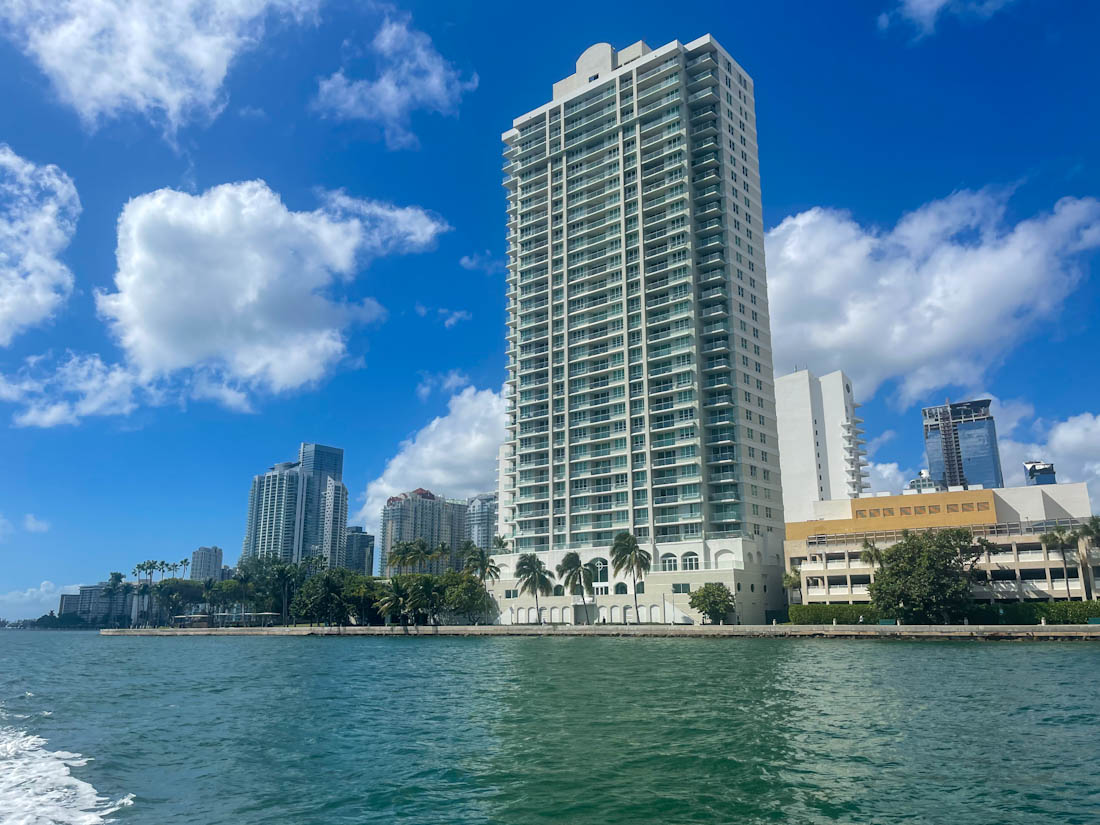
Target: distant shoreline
788, 631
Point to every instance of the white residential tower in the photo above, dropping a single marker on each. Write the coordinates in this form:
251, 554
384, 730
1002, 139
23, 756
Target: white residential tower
821, 441
640, 366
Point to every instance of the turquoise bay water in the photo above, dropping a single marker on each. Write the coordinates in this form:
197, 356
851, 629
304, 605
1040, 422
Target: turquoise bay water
517, 731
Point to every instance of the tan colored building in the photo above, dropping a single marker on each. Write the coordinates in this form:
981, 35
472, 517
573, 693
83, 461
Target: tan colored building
827, 549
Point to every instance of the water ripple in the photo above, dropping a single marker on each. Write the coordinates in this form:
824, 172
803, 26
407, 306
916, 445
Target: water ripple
583, 731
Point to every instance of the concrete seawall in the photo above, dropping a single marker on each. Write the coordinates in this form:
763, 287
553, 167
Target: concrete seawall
788, 631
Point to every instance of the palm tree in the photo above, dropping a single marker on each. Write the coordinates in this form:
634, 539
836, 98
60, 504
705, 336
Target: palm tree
286, 578
627, 555
442, 551
209, 595
395, 601
480, 563
395, 559
1062, 539
534, 578
792, 580
871, 554
111, 589
1090, 531
184, 564
500, 543
576, 576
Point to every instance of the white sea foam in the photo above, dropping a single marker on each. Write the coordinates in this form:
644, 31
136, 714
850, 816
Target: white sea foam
37, 788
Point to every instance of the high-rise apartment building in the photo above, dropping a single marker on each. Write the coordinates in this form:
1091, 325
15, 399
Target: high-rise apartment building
960, 444
206, 563
275, 506
421, 514
821, 441
298, 509
360, 551
481, 520
640, 366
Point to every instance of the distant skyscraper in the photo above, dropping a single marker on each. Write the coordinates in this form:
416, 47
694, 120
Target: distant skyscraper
334, 523
481, 520
206, 563
960, 443
70, 603
360, 551
275, 506
1038, 472
298, 509
325, 511
422, 515
821, 452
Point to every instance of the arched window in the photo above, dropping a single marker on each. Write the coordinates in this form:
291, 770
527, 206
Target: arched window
691, 561
739, 585
668, 561
559, 590
620, 589
752, 588
639, 587
601, 570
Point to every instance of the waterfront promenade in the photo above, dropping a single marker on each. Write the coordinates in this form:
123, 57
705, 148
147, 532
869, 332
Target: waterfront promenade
782, 631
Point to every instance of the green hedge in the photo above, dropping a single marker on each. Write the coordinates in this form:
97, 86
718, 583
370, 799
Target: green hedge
825, 613
1010, 613
1032, 612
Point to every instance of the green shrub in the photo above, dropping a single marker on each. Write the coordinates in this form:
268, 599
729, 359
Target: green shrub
825, 613
1032, 612
1008, 613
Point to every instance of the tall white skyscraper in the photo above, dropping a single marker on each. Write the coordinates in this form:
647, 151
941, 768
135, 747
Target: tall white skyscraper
821, 441
299, 509
640, 366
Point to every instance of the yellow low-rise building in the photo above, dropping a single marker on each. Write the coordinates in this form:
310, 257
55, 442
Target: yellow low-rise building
827, 550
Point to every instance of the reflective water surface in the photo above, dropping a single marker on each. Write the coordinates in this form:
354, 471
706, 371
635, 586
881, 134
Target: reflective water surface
516, 731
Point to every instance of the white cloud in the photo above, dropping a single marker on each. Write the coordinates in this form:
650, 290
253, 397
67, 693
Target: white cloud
166, 60
452, 317
221, 295
34, 601
878, 441
233, 283
32, 524
449, 317
483, 261
5, 528
39, 208
450, 381
888, 477
70, 389
925, 13
454, 455
932, 302
1072, 444
411, 75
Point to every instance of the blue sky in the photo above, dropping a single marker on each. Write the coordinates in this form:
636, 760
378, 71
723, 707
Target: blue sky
225, 233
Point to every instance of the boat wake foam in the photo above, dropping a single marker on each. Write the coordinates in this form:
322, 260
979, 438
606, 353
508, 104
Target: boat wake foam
37, 787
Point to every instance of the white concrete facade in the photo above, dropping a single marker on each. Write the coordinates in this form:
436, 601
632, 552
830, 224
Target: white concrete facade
640, 382
754, 578
821, 441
